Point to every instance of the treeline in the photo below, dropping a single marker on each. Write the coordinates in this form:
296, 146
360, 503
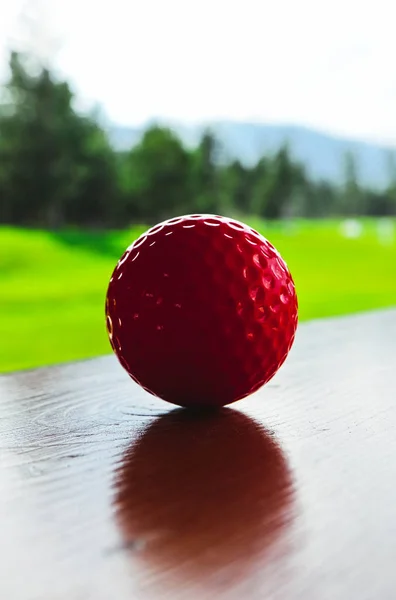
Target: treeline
57, 168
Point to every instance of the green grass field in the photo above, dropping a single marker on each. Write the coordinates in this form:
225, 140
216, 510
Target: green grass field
53, 285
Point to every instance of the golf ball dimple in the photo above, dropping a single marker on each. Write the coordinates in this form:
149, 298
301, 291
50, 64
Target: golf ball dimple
201, 310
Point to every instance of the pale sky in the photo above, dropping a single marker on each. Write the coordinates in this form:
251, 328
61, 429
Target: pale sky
329, 64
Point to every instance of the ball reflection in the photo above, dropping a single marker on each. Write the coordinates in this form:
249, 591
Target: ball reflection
203, 493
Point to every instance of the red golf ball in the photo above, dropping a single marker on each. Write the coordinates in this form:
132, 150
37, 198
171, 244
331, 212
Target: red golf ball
201, 310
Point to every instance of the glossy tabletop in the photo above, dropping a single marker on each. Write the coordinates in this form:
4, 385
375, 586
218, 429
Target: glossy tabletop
109, 493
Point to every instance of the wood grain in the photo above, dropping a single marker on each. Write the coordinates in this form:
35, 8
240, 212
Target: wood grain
109, 493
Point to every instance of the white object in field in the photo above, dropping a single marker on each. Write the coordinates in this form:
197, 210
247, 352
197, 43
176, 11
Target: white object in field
351, 228
386, 232
290, 226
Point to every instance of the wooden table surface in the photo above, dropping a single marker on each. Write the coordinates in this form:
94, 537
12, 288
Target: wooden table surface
109, 493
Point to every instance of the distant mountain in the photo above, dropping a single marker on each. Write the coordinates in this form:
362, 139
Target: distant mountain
321, 153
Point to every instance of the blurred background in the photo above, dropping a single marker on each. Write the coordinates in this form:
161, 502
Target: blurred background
117, 115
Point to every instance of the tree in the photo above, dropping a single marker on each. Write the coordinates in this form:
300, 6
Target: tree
97, 201
55, 164
390, 192
318, 199
236, 185
205, 175
277, 180
156, 176
261, 183
352, 199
